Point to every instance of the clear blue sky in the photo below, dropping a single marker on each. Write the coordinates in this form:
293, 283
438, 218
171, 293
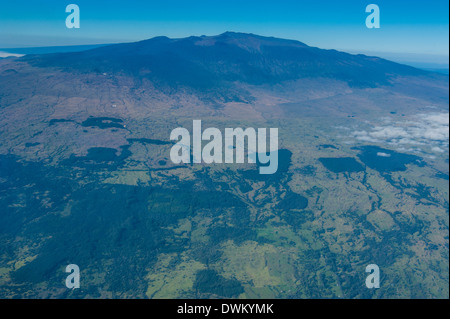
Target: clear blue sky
412, 27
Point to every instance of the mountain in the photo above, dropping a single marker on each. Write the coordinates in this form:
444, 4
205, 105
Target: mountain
206, 62
86, 176
212, 71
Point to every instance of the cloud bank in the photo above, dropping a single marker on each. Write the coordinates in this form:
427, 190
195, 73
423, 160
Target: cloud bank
423, 129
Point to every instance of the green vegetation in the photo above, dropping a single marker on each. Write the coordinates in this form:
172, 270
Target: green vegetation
140, 227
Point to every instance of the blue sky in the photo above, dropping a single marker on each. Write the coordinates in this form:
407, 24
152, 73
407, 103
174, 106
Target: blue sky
418, 29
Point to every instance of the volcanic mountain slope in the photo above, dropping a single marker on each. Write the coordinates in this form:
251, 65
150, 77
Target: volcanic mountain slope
208, 62
86, 178
235, 67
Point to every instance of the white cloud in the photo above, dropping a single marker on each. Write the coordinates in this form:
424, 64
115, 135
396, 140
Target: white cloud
422, 129
437, 149
383, 154
7, 54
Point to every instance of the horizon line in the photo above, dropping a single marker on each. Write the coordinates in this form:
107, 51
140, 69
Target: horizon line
394, 56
